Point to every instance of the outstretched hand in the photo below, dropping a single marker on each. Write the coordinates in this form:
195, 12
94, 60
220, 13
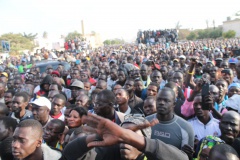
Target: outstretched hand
110, 132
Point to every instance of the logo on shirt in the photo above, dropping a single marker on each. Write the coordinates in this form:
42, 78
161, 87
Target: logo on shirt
162, 134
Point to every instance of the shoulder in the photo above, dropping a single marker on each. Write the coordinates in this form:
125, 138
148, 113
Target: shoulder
49, 152
151, 117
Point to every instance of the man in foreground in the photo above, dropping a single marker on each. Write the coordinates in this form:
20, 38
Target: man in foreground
27, 143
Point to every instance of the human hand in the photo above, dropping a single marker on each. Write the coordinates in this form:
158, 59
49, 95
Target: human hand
129, 152
188, 149
209, 101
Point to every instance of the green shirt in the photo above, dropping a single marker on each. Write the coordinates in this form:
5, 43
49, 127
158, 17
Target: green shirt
21, 70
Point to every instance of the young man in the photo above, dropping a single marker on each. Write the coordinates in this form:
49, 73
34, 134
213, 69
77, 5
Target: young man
27, 143
19, 111
58, 103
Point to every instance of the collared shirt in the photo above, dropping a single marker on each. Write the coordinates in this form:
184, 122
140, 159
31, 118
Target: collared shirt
134, 101
128, 111
201, 130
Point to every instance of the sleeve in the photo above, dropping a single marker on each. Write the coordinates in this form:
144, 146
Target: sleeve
187, 109
157, 150
20, 69
75, 149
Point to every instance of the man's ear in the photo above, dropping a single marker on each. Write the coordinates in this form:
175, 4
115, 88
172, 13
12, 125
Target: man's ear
39, 142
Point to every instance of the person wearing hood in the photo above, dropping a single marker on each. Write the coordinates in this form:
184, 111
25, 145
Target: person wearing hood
44, 86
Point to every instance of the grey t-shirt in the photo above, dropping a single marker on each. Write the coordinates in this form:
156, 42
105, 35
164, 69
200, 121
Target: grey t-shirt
176, 132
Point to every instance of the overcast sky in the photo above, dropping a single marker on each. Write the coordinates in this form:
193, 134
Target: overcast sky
110, 18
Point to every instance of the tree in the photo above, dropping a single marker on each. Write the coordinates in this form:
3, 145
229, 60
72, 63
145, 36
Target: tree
17, 42
192, 36
45, 35
183, 33
207, 24
73, 35
229, 34
113, 41
30, 36
215, 33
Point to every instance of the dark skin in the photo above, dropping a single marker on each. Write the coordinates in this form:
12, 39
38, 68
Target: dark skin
144, 71
165, 105
129, 86
229, 126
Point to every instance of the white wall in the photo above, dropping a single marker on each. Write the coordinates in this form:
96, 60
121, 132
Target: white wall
232, 25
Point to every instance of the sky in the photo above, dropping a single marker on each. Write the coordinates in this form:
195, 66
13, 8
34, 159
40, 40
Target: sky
111, 18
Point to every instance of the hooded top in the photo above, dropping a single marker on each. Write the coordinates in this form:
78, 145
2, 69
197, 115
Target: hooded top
46, 80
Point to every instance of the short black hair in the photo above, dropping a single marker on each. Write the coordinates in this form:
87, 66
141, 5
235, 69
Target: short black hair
9, 123
59, 86
34, 124
4, 108
154, 84
108, 96
171, 85
10, 91
81, 111
124, 71
60, 124
168, 90
22, 94
222, 149
60, 96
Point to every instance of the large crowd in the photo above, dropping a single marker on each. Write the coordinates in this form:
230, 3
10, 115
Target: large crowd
164, 101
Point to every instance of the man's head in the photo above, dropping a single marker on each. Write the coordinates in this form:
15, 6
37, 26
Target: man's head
149, 106
105, 101
51, 94
238, 68
197, 105
164, 72
214, 91
227, 75
41, 108
233, 88
75, 87
122, 97
4, 111
229, 126
152, 89
101, 84
144, 71
165, 101
53, 131
58, 103
75, 74
113, 74
122, 74
223, 152
129, 86
82, 101
54, 87
116, 87
130, 121
2, 88
177, 77
27, 138
223, 88
19, 102
7, 127
138, 84
156, 77
213, 71
87, 86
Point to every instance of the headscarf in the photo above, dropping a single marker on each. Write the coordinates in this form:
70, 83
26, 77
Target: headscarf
207, 142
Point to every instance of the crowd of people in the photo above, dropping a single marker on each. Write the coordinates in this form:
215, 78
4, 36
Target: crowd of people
151, 37
123, 102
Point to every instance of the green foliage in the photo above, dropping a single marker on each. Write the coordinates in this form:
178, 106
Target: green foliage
113, 41
73, 35
30, 36
192, 36
229, 34
210, 33
18, 42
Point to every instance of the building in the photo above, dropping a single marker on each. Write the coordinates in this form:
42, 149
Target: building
232, 23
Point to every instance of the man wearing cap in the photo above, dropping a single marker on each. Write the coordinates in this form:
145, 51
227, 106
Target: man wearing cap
23, 66
41, 109
183, 62
75, 87
4, 77
49, 69
236, 79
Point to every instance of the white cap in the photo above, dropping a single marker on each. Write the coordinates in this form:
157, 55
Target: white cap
42, 101
234, 102
182, 56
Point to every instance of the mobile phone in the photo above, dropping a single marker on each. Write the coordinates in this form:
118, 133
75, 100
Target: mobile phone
205, 92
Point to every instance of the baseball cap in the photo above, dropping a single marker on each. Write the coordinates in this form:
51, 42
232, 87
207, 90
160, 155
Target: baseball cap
138, 119
4, 74
233, 60
176, 60
78, 84
233, 102
56, 73
42, 101
182, 56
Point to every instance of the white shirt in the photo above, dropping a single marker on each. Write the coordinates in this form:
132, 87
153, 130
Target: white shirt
128, 111
201, 130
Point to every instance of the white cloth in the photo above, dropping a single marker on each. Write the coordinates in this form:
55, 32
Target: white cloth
201, 130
